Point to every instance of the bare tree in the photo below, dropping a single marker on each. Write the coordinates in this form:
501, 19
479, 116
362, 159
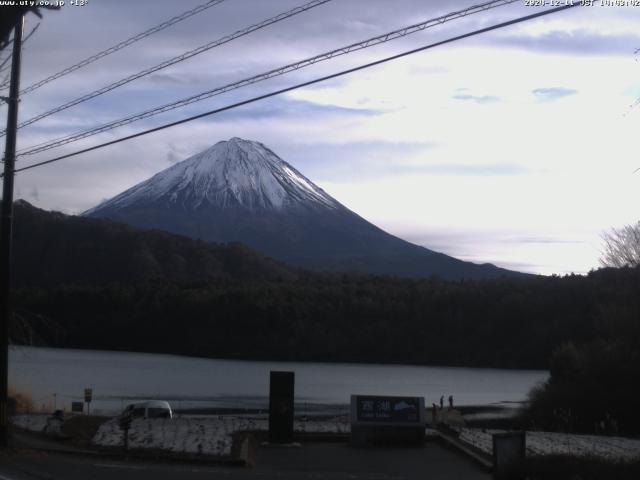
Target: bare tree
622, 247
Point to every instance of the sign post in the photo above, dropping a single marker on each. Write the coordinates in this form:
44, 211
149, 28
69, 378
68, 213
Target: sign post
125, 424
387, 419
88, 394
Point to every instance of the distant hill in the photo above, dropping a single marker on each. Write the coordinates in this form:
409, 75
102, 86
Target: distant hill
51, 248
240, 190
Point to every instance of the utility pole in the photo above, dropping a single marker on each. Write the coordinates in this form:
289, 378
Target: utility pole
6, 224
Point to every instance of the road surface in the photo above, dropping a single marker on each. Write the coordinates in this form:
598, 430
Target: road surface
311, 461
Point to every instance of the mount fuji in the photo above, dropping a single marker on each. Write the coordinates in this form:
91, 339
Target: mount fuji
239, 190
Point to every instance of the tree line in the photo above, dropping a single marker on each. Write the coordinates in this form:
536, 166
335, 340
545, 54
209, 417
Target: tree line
505, 323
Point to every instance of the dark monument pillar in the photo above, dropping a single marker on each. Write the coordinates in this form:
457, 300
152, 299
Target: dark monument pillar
281, 407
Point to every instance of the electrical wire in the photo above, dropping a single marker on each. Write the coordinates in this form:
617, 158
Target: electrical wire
305, 84
173, 61
4, 66
386, 37
4, 80
123, 44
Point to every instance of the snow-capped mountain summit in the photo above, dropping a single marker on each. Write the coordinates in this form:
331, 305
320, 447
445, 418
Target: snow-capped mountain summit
230, 174
239, 190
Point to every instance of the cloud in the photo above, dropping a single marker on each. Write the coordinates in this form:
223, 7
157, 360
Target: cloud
169, 79
172, 157
468, 245
507, 248
541, 240
553, 93
574, 42
176, 153
283, 107
343, 162
478, 99
468, 169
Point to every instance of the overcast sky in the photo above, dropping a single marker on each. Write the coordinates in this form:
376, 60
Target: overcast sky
516, 147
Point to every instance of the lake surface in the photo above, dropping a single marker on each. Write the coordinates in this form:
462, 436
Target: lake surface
117, 378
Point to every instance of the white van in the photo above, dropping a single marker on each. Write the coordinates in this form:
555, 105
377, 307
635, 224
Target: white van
150, 409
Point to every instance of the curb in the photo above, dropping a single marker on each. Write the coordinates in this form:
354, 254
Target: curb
141, 455
137, 455
479, 457
117, 453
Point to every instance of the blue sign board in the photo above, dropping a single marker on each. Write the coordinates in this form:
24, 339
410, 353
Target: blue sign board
387, 409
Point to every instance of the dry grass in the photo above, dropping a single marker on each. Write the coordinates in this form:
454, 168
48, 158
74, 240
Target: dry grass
20, 402
82, 428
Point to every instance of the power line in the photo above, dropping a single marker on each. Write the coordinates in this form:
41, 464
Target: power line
123, 44
305, 84
5, 65
267, 75
6, 77
180, 58
5, 82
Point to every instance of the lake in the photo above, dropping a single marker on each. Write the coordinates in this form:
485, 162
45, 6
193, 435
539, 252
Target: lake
59, 376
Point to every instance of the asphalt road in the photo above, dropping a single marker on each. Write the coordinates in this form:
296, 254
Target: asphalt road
311, 461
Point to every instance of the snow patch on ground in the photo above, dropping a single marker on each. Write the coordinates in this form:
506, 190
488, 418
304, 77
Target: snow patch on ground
551, 443
30, 421
180, 435
213, 436
196, 435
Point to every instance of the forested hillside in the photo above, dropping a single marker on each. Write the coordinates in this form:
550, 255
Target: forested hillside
499, 323
51, 248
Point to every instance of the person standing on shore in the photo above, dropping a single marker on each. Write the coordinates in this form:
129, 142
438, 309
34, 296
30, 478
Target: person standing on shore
450, 401
441, 402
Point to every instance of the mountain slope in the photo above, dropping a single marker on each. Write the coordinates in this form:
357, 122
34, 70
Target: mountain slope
239, 190
51, 249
